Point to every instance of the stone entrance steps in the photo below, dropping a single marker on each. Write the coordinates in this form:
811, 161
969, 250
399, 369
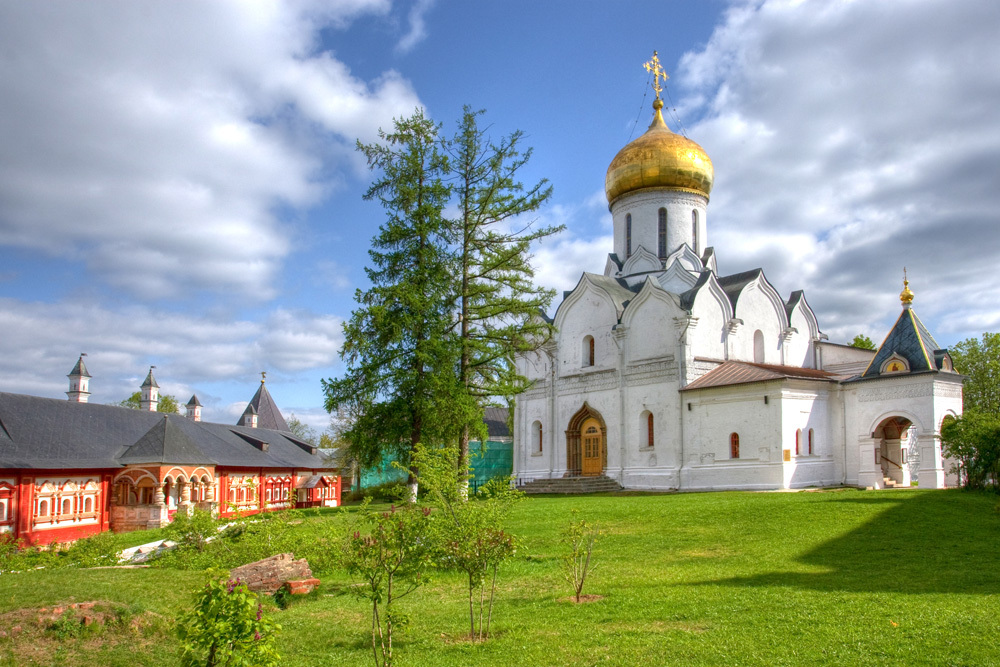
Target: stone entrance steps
571, 485
893, 484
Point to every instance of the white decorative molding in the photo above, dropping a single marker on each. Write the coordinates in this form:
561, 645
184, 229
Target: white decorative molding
890, 393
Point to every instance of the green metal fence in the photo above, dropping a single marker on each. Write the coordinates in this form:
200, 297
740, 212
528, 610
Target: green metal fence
490, 459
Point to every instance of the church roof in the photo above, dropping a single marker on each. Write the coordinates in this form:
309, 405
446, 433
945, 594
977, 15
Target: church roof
743, 372
45, 433
687, 299
80, 369
150, 381
268, 414
194, 402
911, 340
733, 285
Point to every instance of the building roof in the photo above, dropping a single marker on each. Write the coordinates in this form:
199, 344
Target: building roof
733, 285
43, 433
496, 422
150, 381
194, 402
731, 373
80, 369
911, 340
268, 414
164, 443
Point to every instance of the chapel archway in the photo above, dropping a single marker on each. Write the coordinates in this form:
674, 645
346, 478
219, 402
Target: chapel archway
586, 444
893, 446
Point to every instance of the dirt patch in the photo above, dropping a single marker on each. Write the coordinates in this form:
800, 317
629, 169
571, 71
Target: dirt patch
35, 636
584, 599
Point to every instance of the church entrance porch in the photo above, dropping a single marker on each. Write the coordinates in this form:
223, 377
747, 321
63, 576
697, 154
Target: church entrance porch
892, 438
586, 444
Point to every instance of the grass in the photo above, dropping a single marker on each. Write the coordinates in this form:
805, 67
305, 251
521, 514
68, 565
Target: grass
835, 577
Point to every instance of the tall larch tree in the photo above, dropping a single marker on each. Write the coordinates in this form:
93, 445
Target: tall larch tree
498, 301
401, 379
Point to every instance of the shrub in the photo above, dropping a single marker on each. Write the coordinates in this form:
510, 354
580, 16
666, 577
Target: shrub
471, 533
226, 626
192, 531
94, 551
390, 552
974, 441
579, 536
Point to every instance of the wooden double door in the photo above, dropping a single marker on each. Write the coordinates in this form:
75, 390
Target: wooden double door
592, 440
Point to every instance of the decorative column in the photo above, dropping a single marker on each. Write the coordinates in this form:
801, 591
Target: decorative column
158, 512
930, 475
184, 505
869, 475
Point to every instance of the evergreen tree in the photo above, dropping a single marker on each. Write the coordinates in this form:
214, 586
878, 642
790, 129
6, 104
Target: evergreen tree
498, 302
401, 379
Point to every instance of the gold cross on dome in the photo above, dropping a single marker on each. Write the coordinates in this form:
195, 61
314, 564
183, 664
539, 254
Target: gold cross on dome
654, 67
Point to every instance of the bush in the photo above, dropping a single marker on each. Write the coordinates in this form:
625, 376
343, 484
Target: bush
974, 441
193, 530
226, 626
94, 551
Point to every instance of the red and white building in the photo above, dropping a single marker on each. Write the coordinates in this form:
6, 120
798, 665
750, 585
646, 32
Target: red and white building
69, 469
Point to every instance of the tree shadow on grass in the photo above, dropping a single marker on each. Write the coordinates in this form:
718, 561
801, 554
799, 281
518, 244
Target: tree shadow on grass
921, 542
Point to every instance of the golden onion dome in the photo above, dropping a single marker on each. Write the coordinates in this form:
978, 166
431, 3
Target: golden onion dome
659, 159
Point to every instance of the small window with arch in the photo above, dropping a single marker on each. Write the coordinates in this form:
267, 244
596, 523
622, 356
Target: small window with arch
798, 439
537, 435
588, 351
811, 452
734, 445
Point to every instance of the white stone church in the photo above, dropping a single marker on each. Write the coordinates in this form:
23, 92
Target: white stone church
666, 375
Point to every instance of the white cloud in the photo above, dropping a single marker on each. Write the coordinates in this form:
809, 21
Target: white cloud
153, 141
559, 259
417, 26
41, 342
850, 139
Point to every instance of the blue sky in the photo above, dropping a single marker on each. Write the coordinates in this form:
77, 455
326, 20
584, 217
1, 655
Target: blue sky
179, 188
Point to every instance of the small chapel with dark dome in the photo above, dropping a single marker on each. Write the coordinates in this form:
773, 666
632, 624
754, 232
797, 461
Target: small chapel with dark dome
665, 374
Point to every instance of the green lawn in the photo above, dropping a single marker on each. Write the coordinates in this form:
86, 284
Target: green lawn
837, 577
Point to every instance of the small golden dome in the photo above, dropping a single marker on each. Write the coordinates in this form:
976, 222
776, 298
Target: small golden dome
659, 159
906, 296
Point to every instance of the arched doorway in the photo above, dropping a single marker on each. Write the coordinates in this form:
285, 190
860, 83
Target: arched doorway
893, 447
586, 444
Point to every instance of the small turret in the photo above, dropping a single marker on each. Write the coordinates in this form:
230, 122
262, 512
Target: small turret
250, 417
150, 392
79, 382
194, 408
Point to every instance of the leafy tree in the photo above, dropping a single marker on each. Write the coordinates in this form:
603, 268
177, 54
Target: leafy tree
167, 404
390, 552
472, 535
401, 379
863, 342
980, 361
301, 430
498, 301
974, 441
